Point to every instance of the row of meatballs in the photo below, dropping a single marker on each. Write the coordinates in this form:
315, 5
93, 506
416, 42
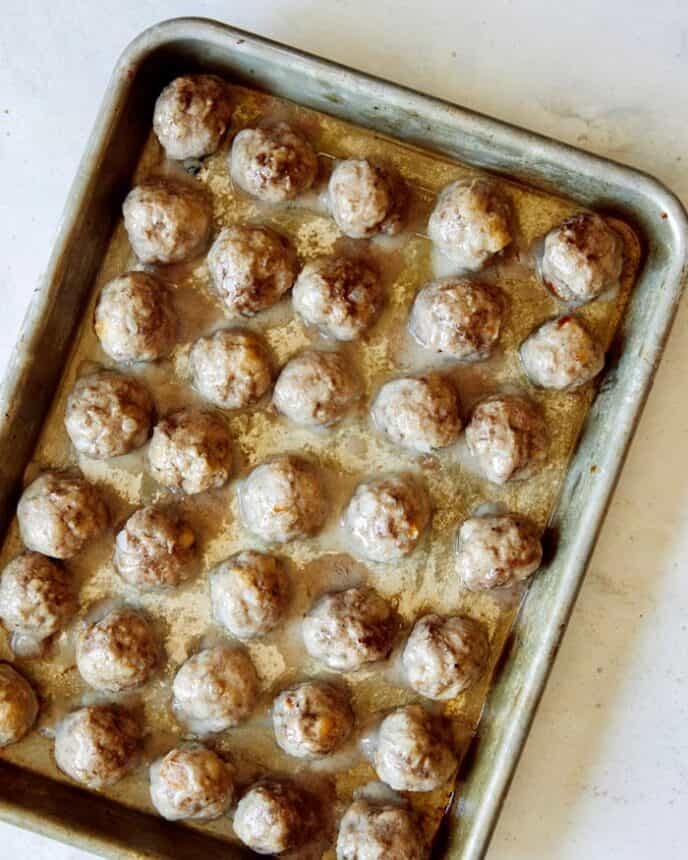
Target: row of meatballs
471, 222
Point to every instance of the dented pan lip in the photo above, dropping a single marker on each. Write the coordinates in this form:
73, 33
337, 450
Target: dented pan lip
508, 149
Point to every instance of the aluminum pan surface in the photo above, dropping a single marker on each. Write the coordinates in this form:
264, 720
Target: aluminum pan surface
434, 125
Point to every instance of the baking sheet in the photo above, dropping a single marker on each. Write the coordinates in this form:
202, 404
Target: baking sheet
424, 582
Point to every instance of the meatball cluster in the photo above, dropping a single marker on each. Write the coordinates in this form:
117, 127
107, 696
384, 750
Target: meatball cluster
421, 413
59, 514
154, 549
366, 198
135, 319
379, 831
345, 630
386, 517
315, 388
251, 268
167, 221
37, 598
471, 222
249, 593
341, 296
312, 720
508, 437
581, 259
459, 318
108, 414
497, 551
18, 705
191, 116
215, 689
283, 499
118, 652
273, 164
191, 783
231, 368
191, 451
561, 354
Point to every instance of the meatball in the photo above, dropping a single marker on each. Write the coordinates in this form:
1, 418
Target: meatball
191, 782
341, 296
458, 318
98, 745
118, 652
18, 705
344, 630
312, 720
561, 354
37, 598
154, 549
108, 415
274, 816
283, 499
166, 221
498, 551
420, 413
412, 752
386, 517
445, 656
508, 436
191, 450
367, 198
471, 222
135, 319
376, 831
231, 368
252, 268
249, 593
215, 689
581, 258
273, 164
59, 514
315, 388
191, 116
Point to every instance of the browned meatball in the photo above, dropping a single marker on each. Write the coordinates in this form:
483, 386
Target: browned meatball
166, 221
444, 656
344, 630
367, 198
18, 705
191, 450
108, 414
380, 831
275, 816
561, 354
118, 652
58, 514
412, 752
252, 268
386, 517
316, 388
312, 720
341, 296
508, 436
421, 413
458, 317
273, 164
582, 258
497, 551
231, 368
471, 222
98, 745
191, 783
154, 549
191, 116
135, 319
37, 598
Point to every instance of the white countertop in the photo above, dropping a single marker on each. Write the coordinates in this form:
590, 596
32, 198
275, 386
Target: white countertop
605, 771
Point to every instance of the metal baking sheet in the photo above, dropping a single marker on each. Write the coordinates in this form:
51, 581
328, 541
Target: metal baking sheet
183, 45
